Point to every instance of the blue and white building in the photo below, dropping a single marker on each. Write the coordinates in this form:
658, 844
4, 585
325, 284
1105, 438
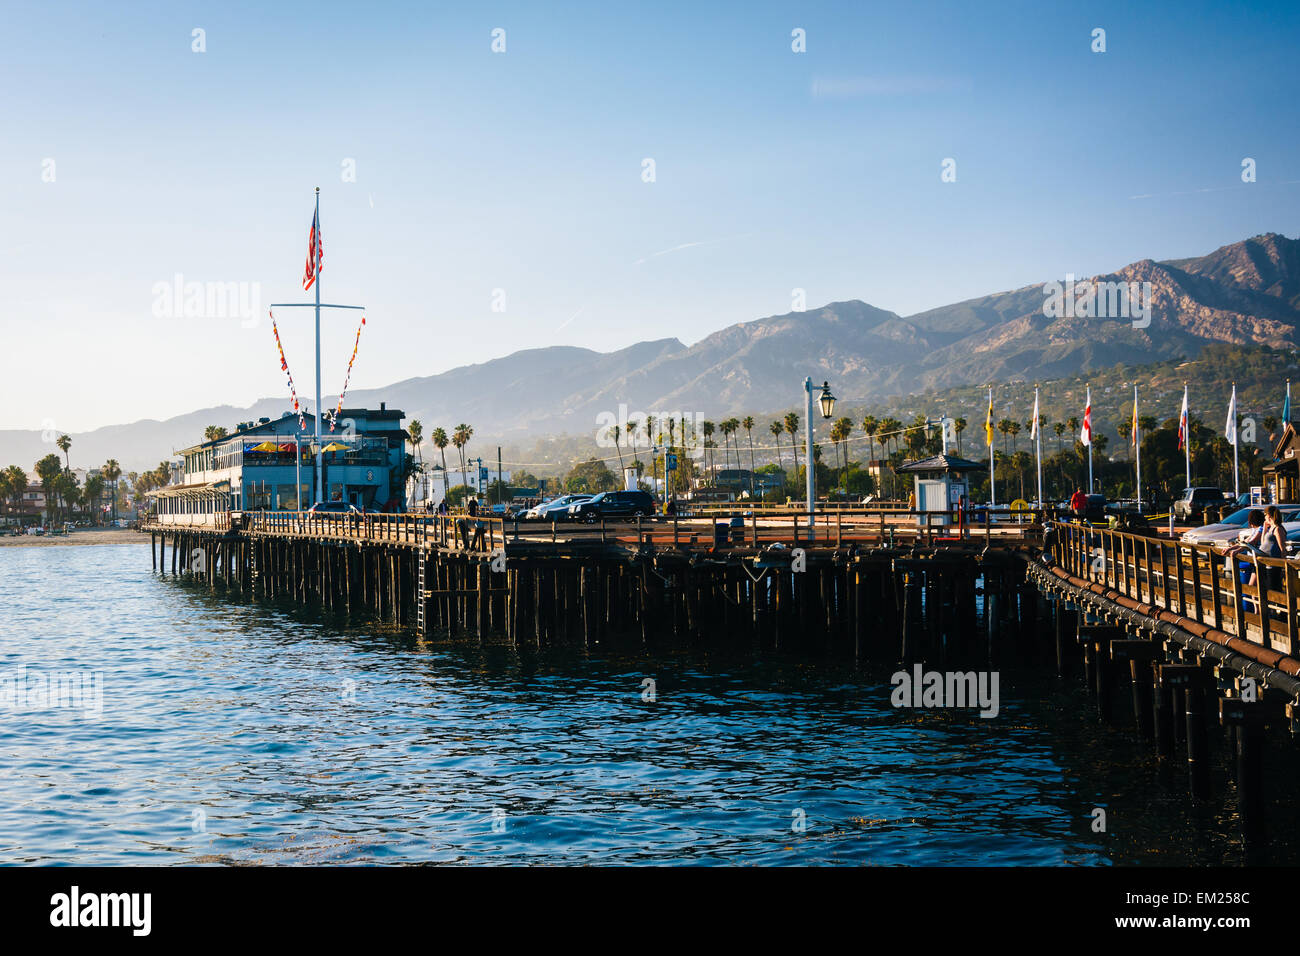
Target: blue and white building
271, 465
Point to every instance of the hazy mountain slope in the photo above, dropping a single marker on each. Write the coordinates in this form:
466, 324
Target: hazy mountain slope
1246, 293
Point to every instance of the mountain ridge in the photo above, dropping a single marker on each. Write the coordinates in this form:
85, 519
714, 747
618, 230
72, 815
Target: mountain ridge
1243, 293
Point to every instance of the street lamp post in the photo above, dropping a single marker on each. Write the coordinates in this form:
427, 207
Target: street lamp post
827, 402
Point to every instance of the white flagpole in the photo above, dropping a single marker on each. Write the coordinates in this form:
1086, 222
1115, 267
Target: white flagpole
1088, 412
993, 485
1038, 436
1187, 437
1236, 470
1137, 447
316, 254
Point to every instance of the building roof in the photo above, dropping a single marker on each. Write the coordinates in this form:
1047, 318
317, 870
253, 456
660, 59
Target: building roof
375, 418
190, 490
939, 464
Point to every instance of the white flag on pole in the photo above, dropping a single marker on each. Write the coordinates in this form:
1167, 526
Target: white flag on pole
1230, 429
1033, 424
1085, 433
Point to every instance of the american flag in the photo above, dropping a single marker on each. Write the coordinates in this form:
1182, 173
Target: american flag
315, 251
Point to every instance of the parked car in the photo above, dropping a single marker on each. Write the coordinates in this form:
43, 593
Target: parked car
1225, 532
557, 509
613, 504
334, 507
1193, 501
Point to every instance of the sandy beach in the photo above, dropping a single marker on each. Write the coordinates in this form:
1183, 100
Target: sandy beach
80, 536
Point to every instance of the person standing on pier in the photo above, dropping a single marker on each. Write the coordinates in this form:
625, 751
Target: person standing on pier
1079, 504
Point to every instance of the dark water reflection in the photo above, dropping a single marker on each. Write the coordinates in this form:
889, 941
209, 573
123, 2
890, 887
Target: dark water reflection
242, 733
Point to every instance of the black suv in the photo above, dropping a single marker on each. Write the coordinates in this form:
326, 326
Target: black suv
613, 504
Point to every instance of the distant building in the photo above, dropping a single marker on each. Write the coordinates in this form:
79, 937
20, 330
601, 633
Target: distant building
271, 465
28, 509
430, 488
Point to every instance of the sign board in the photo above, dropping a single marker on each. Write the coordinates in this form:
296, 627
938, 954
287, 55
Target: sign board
1257, 495
672, 462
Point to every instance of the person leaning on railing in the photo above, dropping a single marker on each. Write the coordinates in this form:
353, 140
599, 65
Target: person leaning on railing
1248, 542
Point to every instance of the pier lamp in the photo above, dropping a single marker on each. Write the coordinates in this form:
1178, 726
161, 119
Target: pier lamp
827, 402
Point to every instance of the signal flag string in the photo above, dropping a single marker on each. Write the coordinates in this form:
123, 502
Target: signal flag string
347, 378
284, 367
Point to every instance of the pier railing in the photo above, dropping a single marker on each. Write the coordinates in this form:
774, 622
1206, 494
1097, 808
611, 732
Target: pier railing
482, 533
752, 527
1193, 581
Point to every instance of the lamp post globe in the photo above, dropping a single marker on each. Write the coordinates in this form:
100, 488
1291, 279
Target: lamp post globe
827, 401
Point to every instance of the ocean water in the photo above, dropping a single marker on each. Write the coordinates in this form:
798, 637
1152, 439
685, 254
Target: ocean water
232, 732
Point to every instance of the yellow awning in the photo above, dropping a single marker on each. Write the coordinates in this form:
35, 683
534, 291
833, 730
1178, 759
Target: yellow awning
335, 446
266, 446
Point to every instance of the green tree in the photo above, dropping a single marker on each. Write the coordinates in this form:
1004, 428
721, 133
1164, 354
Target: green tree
777, 429
94, 495
48, 470
792, 429
616, 433
456, 496
17, 485
112, 471
748, 424
439, 440
460, 437
590, 477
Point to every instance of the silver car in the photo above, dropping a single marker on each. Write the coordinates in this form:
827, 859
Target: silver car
1226, 532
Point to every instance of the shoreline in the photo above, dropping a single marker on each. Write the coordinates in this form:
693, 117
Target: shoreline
83, 536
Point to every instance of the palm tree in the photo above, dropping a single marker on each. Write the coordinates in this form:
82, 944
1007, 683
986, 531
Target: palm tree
1014, 428
64, 442
869, 428
748, 424
632, 427
415, 431
460, 437
615, 433
846, 429
778, 429
112, 471
792, 429
1059, 428
17, 484
958, 426
439, 441
708, 429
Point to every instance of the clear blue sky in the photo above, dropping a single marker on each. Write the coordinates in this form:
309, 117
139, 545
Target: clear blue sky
521, 171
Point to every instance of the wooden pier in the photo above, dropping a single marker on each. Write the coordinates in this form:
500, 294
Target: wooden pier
771, 578
1140, 618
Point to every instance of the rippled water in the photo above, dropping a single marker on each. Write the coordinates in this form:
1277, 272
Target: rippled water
245, 733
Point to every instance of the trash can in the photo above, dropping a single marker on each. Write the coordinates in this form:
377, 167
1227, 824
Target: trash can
721, 534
